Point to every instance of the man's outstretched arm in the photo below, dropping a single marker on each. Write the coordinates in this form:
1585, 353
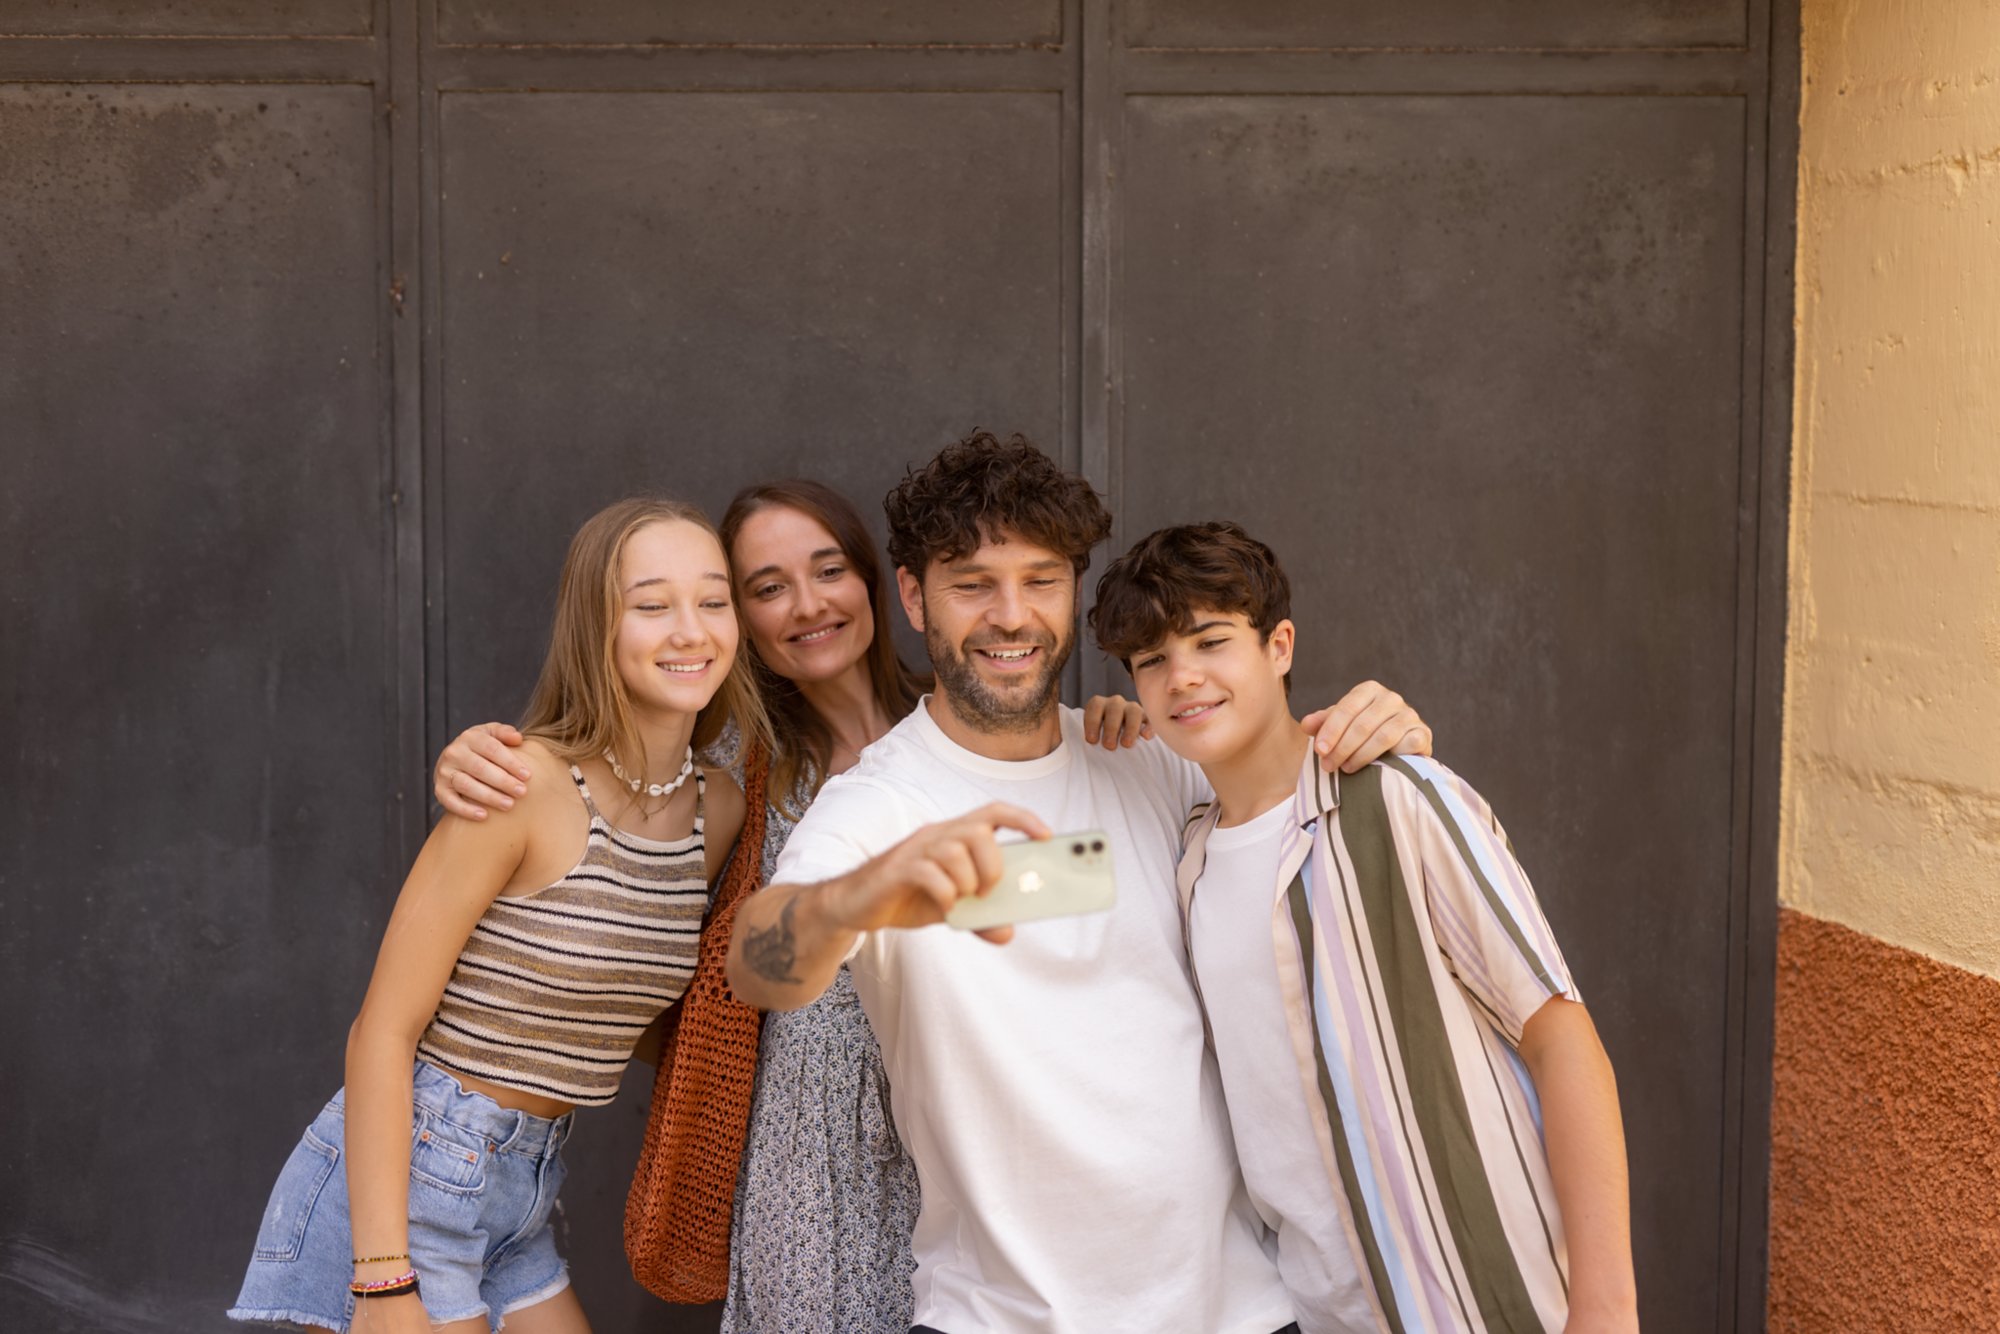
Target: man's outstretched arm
790, 940
781, 960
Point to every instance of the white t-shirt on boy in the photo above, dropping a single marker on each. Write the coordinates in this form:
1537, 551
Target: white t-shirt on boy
1276, 1144
1056, 1093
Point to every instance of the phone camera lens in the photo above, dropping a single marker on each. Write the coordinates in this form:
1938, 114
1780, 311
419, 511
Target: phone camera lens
1097, 845
1076, 849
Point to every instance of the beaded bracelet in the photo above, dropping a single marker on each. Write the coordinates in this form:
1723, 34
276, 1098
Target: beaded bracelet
361, 1284
388, 1287
377, 1259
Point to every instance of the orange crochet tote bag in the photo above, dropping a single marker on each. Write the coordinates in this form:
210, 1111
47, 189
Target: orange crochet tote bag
677, 1212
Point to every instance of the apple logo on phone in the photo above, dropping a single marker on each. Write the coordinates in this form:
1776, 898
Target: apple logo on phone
1031, 881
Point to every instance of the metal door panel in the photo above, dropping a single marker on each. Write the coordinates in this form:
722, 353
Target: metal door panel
1470, 365
755, 23
1434, 25
193, 563
690, 292
199, 18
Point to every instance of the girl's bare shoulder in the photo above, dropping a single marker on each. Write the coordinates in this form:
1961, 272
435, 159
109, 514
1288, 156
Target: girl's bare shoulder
543, 758
554, 824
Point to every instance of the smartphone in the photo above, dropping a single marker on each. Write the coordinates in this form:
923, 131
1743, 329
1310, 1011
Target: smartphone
1054, 877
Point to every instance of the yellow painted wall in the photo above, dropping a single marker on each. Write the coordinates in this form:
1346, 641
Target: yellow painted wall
1892, 747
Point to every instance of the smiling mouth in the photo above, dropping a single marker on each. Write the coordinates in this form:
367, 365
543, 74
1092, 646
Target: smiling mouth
820, 635
1194, 713
1010, 658
684, 668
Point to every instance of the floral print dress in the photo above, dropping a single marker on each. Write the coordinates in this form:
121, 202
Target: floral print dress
826, 1199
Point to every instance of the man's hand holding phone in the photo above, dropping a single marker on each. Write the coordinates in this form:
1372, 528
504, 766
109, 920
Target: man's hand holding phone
916, 882
790, 940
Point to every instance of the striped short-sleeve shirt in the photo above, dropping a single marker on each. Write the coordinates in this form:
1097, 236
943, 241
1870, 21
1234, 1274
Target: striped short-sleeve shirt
1409, 951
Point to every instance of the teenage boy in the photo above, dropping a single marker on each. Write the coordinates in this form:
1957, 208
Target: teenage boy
1056, 1095
1424, 1115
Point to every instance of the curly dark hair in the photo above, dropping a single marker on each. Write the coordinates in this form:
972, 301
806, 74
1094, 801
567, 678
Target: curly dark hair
982, 488
1153, 591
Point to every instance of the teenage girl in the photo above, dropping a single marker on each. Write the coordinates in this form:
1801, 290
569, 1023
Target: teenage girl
527, 955
827, 1198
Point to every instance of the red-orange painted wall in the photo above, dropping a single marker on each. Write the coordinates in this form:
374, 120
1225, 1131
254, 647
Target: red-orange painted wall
1885, 1139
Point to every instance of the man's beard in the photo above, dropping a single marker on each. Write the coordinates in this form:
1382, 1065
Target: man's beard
972, 699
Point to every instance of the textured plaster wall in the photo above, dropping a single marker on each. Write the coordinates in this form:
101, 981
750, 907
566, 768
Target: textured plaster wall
1885, 1162
1885, 1139
1892, 757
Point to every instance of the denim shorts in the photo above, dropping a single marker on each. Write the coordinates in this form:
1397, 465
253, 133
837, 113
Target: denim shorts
482, 1183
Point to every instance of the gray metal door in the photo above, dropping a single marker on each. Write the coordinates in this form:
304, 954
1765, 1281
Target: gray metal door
322, 325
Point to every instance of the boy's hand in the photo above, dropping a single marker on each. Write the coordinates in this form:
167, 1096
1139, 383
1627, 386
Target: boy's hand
1115, 719
479, 770
1370, 721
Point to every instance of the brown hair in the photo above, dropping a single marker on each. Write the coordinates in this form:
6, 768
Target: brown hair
804, 755
1154, 590
580, 705
983, 488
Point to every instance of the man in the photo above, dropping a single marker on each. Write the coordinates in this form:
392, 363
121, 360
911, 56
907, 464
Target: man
1056, 1095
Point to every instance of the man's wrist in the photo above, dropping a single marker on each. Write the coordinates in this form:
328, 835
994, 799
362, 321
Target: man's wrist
826, 909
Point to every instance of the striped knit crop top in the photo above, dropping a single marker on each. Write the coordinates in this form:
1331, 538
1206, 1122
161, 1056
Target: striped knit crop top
553, 988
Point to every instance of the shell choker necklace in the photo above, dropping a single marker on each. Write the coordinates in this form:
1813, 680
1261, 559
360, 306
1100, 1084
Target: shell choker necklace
651, 789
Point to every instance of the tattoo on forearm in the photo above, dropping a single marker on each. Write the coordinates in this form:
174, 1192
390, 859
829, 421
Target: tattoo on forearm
771, 952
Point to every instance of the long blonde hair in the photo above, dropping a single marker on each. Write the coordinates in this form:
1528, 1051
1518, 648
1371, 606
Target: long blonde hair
580, 706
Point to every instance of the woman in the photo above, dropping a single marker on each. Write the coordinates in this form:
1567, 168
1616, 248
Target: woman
525, 958
827, 1199
820, 1238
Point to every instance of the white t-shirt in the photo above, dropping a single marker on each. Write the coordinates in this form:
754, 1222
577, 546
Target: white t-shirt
1056, 1093
1275, 1139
